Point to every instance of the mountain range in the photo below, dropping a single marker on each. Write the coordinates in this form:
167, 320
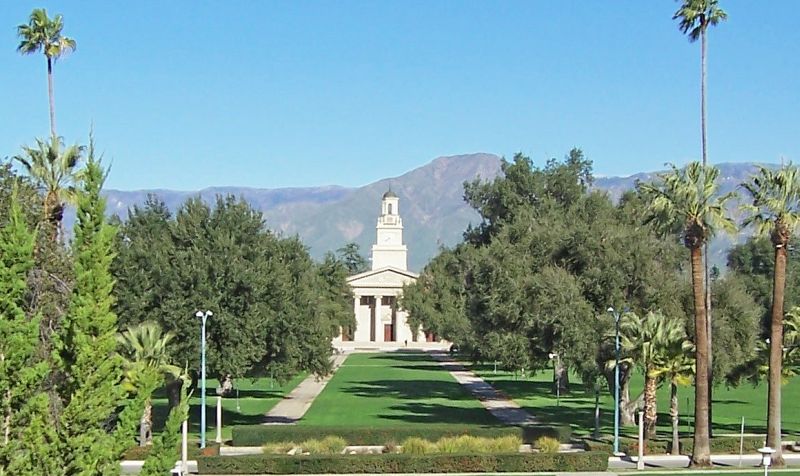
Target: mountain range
431, 205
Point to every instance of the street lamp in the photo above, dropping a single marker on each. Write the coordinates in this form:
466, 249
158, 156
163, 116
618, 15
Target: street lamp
204, 315
616, 316
766, 458
556, 365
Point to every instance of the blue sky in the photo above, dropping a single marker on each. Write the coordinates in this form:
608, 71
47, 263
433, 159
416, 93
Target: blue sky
186, 95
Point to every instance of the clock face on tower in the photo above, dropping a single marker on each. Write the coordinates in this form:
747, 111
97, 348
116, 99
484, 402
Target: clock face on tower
387, 239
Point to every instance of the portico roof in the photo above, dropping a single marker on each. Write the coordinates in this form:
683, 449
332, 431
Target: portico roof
388, 277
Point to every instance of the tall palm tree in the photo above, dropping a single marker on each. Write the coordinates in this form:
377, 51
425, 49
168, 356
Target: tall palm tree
42, 33
144, 348
675, 363
695, 16
54, 169
775, 211
686, 200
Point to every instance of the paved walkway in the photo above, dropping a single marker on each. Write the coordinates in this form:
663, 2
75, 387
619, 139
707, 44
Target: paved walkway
498, 404
297, 402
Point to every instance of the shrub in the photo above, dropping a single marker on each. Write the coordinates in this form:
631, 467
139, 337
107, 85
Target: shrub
463, 444
403, 463
504, 444
257, 435
598, 445
417, 446
330, 445
280, 448
548, 445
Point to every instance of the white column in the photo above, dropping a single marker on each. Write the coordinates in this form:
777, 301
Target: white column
185, 446
378, 323
356, 305
219, 419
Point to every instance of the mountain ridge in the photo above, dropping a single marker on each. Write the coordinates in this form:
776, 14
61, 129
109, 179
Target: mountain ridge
431, 204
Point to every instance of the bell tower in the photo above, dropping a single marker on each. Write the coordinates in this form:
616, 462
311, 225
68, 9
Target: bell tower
389, 250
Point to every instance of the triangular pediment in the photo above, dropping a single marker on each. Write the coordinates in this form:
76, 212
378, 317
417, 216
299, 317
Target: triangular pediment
383, 277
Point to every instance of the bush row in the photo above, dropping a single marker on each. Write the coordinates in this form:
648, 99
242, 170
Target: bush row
400, 463
140, 453
258, 435
719, 445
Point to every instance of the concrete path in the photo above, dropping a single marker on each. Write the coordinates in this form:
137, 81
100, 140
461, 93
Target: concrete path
498, 404
748, 461
297, 402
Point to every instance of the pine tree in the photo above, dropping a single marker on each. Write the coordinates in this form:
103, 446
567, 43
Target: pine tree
92, 390
23, 443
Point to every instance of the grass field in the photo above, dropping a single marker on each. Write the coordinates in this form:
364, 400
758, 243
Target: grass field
393, 389
255, 398
577, 408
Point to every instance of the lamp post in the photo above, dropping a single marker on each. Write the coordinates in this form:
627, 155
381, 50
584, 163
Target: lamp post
616, 316
766, 458
556, 368
203, 315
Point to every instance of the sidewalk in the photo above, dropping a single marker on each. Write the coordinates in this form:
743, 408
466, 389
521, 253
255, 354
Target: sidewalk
297, 402
499, 405
721, 462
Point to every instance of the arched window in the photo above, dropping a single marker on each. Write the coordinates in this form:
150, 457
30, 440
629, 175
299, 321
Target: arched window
390, 209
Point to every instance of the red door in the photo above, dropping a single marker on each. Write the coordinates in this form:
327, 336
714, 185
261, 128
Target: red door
388, 333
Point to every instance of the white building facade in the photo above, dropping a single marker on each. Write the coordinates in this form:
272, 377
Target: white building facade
380, 321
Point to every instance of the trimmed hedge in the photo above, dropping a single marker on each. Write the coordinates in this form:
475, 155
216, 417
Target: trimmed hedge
399, 463
140, 453
257, 435
719, 445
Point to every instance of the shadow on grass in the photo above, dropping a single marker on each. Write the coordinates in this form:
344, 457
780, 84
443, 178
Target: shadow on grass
429, 413
538, 388
402, 356
408, 389
229, 417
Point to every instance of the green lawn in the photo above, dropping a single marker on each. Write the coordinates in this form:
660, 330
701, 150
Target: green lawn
577, 408
255, 398
393, 389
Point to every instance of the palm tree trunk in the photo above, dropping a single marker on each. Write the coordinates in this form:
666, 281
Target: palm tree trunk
627, 413
703, 95
650, 411
701, 454
776, 355
146, 424
51, 96
673, 413
704, 153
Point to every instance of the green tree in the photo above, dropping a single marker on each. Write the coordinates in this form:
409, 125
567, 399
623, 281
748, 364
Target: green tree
645, 341
336, 296
351, 256
21, 373
165, 447
775, 211
275, 310
42, 33
91, 390
24, 193
54, 169
686, 200
145, 349
674, 363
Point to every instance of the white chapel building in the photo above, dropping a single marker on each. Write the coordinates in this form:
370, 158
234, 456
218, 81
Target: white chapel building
380, 322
